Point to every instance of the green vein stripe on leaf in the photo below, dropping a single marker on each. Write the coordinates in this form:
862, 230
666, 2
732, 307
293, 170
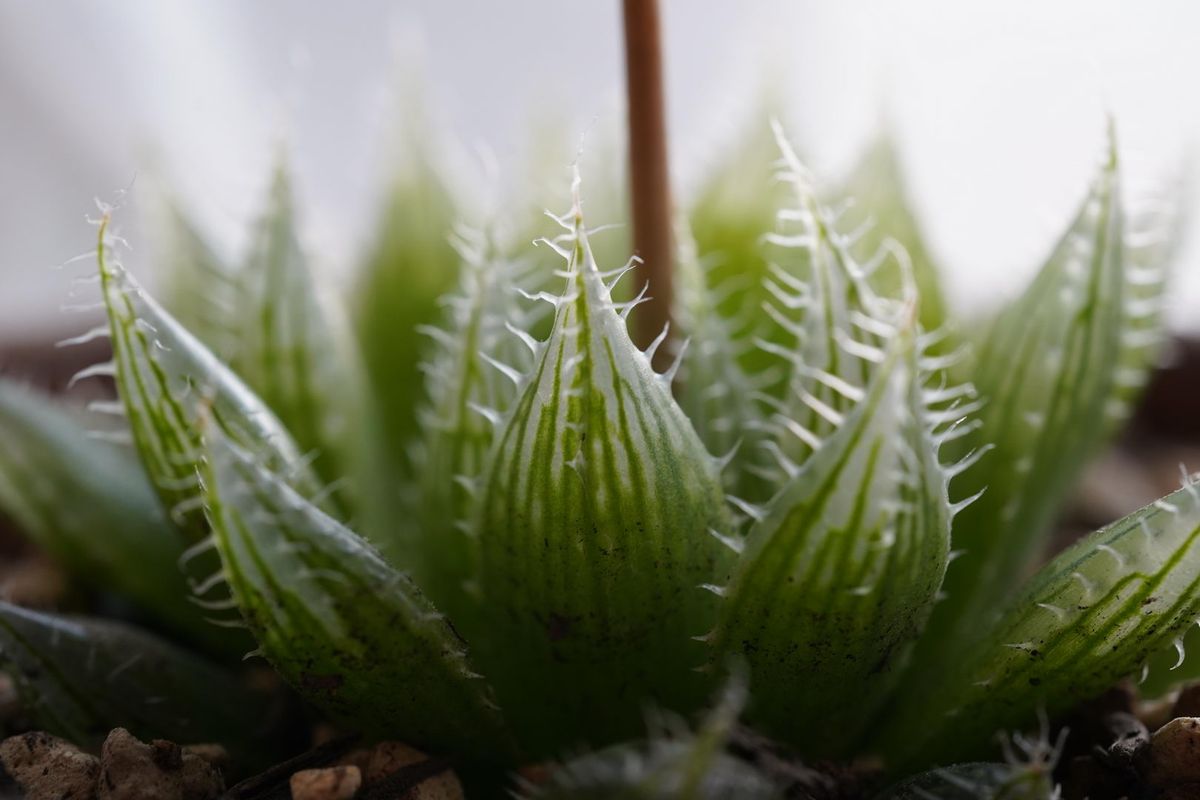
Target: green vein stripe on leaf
841, 570
1095, 614
1048, 372
351, 634
594, 525
167, 380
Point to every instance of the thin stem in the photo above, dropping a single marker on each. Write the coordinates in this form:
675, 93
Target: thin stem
649, 177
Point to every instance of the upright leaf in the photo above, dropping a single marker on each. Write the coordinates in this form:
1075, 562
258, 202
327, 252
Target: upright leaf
89, 506
715, 393
1093, 615
292, 351
673, 764
201, 290
734, 210
168, 381
595, 524
842, 567
78, 678
821, 304
1050, 374
347, 631
482, 327
411, 266
881, 210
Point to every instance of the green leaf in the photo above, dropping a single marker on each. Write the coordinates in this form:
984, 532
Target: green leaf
595, 528
88, 504
411, 266
1153, 237
292, 351
78, 678
733, 212
464, 389
672, 764
881, 211
821, 305
843, 565
348, 632
1052, 374
201, 290
713, 390
1091, 616
167, 381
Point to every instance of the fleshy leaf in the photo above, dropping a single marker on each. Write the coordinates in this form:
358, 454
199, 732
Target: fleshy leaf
733, 211
672, 764
201, 290
596, 526
88, 504
820, 301
1091, 616
411, 266
292, 351
1153, 236
1051, 378
843, 565
167, 381
713, 390
78, 678
880, 209
484, 327
351, 634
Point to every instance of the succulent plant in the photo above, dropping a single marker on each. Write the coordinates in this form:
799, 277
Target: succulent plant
832, 493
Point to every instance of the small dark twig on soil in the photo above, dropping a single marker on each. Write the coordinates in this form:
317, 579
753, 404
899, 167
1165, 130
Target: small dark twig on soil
272, 784
399, 782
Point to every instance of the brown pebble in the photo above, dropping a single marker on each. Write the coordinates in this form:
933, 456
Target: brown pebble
388, 758
330, 783
133, 770
48, 768
214, 754
1175, 753
34, 582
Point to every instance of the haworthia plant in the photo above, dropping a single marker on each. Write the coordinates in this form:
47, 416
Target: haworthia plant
80, 677
582, 552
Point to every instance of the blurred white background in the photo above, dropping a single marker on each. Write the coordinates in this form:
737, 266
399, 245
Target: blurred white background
999, 108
